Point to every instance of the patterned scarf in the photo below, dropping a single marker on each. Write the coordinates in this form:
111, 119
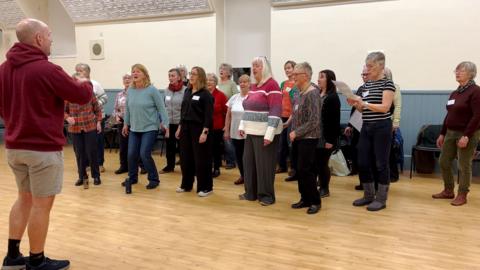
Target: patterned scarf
460, 88
175, 87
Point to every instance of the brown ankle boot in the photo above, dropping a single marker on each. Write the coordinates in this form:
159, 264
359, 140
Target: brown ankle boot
461, 199
445, 194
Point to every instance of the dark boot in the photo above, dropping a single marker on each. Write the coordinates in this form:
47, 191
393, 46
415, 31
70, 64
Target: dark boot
380, 201
368, 195
461, 199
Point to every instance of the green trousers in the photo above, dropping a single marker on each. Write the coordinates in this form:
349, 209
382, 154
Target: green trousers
450, 151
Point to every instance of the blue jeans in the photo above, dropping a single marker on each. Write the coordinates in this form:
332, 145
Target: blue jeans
141, 144
229, 153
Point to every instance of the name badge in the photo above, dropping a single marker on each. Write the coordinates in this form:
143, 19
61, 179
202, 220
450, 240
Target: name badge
296, 107
196, 98
168, 98
450, 102
364, 94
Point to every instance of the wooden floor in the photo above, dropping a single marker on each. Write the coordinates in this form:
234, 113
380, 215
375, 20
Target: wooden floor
102, 228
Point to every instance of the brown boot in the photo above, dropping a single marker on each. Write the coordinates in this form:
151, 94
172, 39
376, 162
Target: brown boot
461, 199
445, 194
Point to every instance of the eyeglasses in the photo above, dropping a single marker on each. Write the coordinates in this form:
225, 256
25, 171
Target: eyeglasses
296, 74
459, 71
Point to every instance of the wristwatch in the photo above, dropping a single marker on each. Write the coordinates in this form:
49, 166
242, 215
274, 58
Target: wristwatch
205, 132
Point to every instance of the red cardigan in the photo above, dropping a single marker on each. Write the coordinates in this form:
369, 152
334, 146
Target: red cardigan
219, 109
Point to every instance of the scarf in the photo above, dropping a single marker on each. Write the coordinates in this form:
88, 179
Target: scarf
175, 87
460, 88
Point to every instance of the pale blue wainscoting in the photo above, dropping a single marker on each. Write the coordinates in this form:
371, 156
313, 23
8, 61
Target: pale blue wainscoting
418, 108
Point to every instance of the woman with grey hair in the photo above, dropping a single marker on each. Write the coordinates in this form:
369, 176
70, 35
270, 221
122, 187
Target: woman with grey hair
460, 133
375, 104
219, 114
173, 103
262, 124
226, 85
183, 74
306, 131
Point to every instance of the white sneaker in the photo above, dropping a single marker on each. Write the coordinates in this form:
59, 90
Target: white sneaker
204, 194
180, 190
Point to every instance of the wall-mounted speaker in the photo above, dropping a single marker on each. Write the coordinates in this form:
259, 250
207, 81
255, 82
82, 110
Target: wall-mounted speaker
97, 50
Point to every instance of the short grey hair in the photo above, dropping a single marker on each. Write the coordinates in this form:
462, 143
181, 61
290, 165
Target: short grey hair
377, 57
388, 73
227, 67
469, 67
214, 77
305, 66
83, 66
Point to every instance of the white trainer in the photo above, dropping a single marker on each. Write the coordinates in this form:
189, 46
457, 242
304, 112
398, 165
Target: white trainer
204, 193
180, 190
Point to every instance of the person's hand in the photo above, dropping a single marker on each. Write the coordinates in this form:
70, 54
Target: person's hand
167, 133
226, 135
117, 118
162, 127
440, 140
395, 127
353, 101
177, 134
70, 120
348, 131
462, 143
99, 127
125, 131
328, 145
292, 136
203, 138
266, 142
242, 133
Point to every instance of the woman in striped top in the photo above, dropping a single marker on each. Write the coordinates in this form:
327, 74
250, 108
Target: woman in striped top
262, 124
375, 104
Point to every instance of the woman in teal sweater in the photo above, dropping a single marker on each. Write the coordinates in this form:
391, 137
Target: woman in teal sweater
144, 103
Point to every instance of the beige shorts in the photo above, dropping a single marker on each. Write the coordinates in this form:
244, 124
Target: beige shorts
40, 173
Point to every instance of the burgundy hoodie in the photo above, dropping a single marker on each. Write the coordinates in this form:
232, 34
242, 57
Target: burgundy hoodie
32, 94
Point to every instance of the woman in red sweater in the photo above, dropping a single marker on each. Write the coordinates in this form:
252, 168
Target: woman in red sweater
460, 133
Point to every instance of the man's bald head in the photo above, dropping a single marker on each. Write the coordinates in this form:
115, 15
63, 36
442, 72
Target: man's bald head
35, 33
28, 28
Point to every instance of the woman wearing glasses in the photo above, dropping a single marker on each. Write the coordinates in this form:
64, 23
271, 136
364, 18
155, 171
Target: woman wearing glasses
375, 137
460, 133
196, 123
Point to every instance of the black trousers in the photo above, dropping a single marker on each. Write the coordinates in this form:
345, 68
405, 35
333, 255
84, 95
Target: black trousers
374, 151
322, 158
172, 144
306, 171
85, 147
195, 158
294, 156
123, 145
217, 148
283, 147
239, 145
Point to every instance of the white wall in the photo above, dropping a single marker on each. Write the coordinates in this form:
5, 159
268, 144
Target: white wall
9, 38
247, 31
423, 40
159, 45
62, 28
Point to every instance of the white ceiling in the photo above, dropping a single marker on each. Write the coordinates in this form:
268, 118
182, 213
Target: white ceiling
82, 11
10, 13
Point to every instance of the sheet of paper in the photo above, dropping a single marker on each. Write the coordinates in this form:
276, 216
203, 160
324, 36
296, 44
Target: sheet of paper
356, 120
344, 89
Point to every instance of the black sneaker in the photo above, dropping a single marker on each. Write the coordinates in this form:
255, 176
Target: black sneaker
14, 264
215, 173
97, 181
152, 184
79, 182
49, 264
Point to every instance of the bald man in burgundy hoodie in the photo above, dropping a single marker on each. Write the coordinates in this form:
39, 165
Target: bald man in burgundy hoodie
32, 95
